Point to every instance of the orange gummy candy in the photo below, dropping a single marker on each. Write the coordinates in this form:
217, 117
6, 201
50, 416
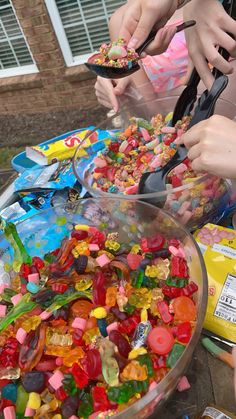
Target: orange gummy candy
81, 308
184, 309
111, 296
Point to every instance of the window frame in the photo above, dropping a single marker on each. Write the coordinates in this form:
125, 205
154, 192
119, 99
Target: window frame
19, 70
62, 38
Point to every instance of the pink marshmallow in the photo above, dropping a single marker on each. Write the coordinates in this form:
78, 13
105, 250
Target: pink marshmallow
93, 247
102, 260
34, 278
9, 412
183, 384
3, 310
73, 417
45, 315
79, 323
21, 335
29, 412
56, 380
112, 326
16, 299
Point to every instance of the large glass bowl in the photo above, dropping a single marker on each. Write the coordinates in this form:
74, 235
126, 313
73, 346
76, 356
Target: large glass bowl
205, 197
44, 232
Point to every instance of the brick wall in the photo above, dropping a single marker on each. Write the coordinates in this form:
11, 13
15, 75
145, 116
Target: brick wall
56, 87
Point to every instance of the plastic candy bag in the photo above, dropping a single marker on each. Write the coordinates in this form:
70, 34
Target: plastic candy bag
218, 246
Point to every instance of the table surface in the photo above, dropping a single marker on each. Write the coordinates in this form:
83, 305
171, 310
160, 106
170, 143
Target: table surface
211, 382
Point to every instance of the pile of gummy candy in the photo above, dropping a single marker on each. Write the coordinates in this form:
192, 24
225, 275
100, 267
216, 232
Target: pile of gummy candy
93, 325
116, 54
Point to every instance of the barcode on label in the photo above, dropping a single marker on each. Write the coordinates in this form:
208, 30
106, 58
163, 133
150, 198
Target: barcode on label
214, 413
226, 305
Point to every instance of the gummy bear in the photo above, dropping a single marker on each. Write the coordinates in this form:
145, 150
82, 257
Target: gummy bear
134, 371
121, 342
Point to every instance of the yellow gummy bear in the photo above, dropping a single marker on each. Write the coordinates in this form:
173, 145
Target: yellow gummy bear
112, 245
84, 284
141, 298
151, 271
134, 371
73, 356
136, 352
31, 323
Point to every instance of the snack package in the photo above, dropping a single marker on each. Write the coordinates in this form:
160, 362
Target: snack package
215, 412
218, 246
45, 154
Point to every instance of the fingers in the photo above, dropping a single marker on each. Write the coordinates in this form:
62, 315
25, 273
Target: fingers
227, 42
145, 24
104, 90
194, 152
161, 41
121, 86
216, 60
203, 69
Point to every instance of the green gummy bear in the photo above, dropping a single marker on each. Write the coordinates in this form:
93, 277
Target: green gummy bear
174, 355
86, 407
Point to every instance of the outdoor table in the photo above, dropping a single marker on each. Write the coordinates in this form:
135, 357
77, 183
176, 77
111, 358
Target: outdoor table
211, 380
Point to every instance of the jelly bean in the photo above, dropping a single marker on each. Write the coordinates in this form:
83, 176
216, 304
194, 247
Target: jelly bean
34, 401
22, 399
160, 340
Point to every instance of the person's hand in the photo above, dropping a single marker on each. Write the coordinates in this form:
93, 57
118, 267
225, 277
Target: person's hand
210, 31
107, 91
141, 16
212, 146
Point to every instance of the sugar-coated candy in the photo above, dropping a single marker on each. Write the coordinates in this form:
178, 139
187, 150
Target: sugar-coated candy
183, 384
92, 335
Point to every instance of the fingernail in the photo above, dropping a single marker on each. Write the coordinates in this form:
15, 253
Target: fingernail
133, 43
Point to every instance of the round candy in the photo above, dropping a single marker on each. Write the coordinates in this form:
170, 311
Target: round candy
184, 309
160, 340
81, 308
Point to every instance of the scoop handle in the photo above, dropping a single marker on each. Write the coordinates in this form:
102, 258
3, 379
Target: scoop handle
152, 35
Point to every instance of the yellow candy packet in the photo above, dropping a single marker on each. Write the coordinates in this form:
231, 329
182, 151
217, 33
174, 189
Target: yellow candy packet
46, 154
218, 246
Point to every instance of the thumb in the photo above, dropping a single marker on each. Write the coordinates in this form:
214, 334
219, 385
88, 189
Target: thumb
121, 86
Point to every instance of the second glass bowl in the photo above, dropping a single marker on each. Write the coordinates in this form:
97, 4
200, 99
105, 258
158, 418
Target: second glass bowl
203, 199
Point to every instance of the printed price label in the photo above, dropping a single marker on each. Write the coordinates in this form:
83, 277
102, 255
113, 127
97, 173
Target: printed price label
213, 413
226, 305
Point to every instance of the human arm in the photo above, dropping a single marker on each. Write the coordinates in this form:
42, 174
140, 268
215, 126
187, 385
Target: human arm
212, 146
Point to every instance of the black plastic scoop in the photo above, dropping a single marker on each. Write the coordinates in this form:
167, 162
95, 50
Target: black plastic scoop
156, 181
119, 73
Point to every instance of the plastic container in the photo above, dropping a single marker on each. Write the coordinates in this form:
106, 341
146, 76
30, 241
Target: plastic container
211, 204
43, 232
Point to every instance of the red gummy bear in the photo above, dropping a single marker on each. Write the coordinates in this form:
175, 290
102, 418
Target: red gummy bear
152, 244
179, 267
80, 376
190, 289
100, 400
38, 262
172, 292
